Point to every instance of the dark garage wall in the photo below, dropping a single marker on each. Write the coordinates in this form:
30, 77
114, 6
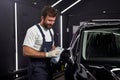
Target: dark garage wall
7, 45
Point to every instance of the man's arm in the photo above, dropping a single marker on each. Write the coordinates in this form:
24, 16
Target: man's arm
30, 52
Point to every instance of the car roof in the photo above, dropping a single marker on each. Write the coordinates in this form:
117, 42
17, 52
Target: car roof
97, 23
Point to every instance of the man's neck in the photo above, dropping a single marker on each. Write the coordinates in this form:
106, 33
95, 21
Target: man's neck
43, 26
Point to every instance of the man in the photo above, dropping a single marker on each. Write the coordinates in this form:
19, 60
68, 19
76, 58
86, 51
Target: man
39, 46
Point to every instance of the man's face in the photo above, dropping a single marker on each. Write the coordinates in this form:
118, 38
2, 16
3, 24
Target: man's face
48, 21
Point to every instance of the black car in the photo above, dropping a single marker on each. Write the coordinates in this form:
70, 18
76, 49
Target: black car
94, 52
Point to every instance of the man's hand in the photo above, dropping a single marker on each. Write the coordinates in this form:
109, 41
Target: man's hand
54, 53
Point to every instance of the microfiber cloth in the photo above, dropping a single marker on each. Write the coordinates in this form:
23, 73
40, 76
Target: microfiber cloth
56, 59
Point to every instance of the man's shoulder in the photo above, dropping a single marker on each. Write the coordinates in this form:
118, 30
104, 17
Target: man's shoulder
32, 28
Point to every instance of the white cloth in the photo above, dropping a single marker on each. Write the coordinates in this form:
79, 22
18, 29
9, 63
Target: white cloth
34, 37
57, 58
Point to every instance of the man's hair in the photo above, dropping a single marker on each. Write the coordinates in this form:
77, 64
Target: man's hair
49, 11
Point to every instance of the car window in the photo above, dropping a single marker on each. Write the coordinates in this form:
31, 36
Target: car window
101, 43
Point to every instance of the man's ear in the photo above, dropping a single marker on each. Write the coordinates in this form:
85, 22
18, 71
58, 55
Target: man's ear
42, 18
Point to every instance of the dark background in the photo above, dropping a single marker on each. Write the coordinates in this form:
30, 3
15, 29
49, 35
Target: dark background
28, 14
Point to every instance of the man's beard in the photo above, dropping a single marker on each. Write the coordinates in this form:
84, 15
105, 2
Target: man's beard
47, 26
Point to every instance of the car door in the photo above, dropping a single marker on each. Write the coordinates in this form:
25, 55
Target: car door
72, 56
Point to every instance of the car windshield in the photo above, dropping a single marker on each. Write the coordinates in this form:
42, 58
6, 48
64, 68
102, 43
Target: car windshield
101, 44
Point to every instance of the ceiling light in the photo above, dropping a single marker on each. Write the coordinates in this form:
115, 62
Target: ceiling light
56, 3
70, 6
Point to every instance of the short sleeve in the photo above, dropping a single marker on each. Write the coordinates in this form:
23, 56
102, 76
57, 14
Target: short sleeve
30, 38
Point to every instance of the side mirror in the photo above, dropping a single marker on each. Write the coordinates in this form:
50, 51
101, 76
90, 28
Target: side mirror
66, 57
65, 54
